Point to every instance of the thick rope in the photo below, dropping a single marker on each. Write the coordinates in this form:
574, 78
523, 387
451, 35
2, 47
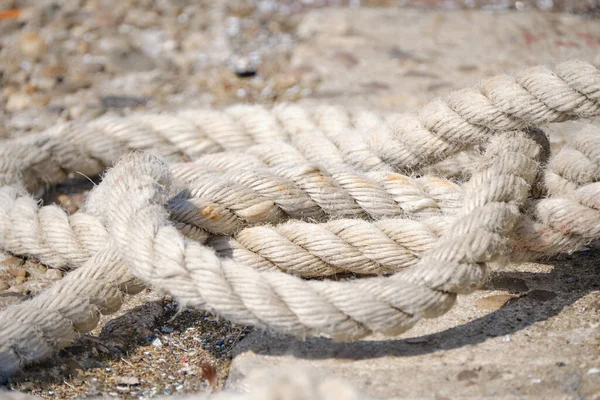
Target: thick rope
133, 204
224, 202
147, 240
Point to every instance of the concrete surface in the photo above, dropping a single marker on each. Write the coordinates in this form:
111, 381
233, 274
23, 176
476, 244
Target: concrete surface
398, 59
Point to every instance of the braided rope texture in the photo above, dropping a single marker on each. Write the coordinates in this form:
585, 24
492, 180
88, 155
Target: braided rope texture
237, 211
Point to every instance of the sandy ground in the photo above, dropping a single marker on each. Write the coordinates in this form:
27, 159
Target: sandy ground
533, 332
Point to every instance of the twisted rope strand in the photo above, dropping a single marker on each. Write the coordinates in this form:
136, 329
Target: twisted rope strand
222, 203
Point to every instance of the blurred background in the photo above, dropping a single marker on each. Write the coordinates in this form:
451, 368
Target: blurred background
62, 60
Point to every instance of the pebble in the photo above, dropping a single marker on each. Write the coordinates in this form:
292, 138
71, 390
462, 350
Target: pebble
493, 302
66, 203
53, 274
18, 102
593, 371
19, 289
32, 44
54, 71
4, 285
26, 387
20, 280
13, 262
128, 380
157, 342
16, 272
243, 68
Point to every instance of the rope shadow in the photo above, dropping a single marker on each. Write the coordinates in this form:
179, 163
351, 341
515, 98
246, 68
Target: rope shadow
573, 277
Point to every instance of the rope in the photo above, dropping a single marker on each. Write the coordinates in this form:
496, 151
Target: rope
292, 193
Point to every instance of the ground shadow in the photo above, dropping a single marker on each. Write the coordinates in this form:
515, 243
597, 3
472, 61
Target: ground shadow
573, 277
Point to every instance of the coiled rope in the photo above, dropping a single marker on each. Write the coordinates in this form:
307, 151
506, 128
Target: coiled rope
228, 210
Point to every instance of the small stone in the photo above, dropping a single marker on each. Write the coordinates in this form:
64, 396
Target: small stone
135, 358
13, 262
20, 280
243, 68
157, 342
75, 112
593, 371
32, 44
19, 289
41, 100
42, 268
16, 272
18, 102
128, 380
4, 286
26, 387
493, 302
54, 71
65, 201
53, 274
